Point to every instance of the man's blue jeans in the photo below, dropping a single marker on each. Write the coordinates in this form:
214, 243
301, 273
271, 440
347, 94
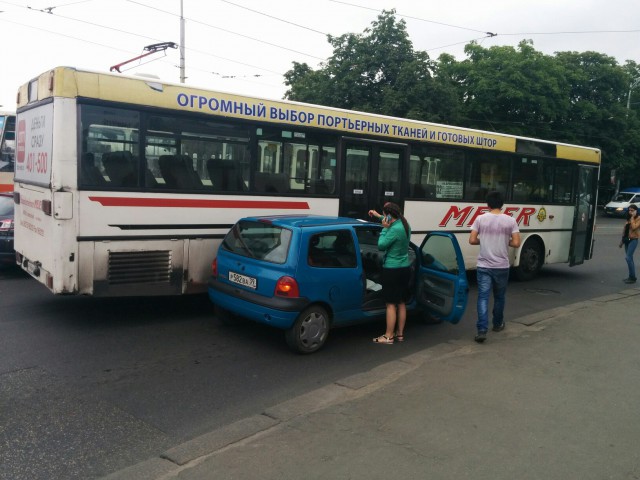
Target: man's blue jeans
496, 280
629, 250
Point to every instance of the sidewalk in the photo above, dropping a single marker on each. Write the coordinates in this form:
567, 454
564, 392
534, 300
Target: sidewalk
554, 396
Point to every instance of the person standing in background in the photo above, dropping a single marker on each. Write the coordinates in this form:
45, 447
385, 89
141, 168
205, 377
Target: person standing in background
630, 240
495, 233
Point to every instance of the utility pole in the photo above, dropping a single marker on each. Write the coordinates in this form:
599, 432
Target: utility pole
182, 73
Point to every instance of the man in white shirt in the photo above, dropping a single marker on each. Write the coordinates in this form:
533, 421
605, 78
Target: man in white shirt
495, 233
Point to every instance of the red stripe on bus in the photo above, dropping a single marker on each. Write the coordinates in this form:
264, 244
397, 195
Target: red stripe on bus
6, 188
197, 203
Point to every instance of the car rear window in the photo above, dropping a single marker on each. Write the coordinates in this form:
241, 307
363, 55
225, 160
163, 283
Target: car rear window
260, 240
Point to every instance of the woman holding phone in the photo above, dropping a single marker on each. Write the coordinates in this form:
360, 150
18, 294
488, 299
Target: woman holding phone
396, 273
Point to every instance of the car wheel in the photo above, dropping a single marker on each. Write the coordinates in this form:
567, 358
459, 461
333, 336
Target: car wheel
225, 316
531, 260
310, 330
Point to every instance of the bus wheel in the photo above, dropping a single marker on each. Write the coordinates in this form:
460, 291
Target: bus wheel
310, 330
531, 260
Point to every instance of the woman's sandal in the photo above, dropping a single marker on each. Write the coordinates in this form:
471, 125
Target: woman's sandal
399, 337
384, 340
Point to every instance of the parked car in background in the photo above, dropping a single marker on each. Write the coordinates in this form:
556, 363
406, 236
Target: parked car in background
619, 205
306, 274
7, 254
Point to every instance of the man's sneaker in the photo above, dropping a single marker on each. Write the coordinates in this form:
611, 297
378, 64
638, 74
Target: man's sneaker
629, 280
481, 337
498, 328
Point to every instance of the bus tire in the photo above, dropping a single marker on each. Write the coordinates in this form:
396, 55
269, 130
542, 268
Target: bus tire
310, 330
531, 260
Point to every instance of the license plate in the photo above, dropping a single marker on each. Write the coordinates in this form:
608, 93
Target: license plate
243, 280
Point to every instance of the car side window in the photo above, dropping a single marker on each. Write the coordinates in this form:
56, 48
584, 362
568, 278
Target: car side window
438, 253
334, 249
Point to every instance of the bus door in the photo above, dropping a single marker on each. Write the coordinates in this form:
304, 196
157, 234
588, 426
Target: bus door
584, 216
373, 175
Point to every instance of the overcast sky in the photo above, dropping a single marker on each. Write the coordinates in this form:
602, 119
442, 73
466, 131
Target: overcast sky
244, 46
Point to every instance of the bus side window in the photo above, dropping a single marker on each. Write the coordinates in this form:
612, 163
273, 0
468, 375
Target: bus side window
120, 168
270, 183
178, 173
225, 175
90, 173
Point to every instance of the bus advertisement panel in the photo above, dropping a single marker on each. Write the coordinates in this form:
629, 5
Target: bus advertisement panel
34, 149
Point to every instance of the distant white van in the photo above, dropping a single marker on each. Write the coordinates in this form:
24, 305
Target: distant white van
618, 206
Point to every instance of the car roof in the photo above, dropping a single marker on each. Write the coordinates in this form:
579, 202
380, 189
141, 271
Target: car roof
301, 221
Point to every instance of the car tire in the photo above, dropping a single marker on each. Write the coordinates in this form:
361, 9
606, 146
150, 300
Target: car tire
310, 330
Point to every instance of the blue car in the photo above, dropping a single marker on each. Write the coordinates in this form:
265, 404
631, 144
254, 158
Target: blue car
307, 274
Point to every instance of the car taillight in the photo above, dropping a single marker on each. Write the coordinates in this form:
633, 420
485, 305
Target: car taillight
287, 287
6, 225
214, 267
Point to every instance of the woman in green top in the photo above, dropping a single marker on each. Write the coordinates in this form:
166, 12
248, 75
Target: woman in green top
396, 272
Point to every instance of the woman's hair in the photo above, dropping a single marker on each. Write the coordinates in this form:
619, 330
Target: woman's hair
392, 209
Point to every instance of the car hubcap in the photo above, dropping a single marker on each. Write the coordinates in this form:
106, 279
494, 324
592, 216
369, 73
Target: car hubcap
313, 329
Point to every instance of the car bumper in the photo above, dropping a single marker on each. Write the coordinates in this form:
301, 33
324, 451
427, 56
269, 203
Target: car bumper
276, 311
614, 212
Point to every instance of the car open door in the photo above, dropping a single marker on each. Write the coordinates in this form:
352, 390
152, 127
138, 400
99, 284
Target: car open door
442, 288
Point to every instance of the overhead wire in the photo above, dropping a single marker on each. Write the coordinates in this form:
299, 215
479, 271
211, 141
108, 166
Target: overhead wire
274, 17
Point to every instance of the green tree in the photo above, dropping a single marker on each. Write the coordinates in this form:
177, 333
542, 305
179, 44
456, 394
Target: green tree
598, 115
519, 91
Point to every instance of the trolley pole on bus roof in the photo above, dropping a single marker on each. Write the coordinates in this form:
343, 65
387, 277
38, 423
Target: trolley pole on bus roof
182, 73
150, 49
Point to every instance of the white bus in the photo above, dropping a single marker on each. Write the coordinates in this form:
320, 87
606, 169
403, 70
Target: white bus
126, 185
7, 150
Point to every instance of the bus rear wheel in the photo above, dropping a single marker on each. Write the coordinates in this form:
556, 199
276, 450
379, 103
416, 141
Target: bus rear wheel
531, 260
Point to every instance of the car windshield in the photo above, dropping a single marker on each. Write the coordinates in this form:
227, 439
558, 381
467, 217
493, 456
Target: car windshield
260, 240
6, 205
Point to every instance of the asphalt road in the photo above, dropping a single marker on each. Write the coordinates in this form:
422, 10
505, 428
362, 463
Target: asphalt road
89, 386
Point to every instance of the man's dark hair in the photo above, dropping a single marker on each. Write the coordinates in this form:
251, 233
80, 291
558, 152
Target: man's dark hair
494, 200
